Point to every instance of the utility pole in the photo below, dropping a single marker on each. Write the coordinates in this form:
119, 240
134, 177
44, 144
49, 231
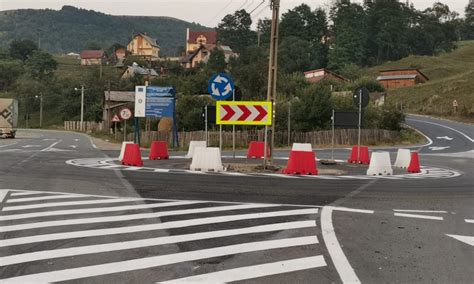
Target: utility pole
272, 76
41, 110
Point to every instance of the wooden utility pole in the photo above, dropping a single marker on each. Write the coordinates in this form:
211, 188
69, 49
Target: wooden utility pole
272, 75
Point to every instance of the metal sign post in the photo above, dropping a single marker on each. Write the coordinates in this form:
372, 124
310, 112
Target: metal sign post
361, 99
205, 126
360, 122
124, 130
332, 140
233, 131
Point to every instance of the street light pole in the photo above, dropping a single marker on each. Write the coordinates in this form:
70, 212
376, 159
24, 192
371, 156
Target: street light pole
41, 110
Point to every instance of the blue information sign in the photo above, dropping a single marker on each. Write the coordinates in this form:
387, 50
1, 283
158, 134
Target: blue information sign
220, 86
160, 102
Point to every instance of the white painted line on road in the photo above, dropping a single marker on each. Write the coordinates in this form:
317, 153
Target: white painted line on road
469, 220
30, 146
126, 217
342, 265
433, 123
418, 216
352, 210
1, 146
69, 203
152, 227
51, 146
465, 239
117, 246
254, 271
88, 211
420, 211
27, 199
156, 261
3, 194
24, 193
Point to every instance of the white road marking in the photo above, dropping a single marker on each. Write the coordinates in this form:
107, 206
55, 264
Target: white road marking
420, 211
418, 216
1, 146
69, 203
469, 220
27, 199
254, 271
49, 139
469, 138
127, 217
51, 146
3, 194
156, 261
352, 210
342, 265
117, 246
438, 148
152, 227
73, 146
76, 139
445, 138
24, 193
31, 146
465, 239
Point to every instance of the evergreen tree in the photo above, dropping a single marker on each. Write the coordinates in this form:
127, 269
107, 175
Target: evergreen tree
234, 30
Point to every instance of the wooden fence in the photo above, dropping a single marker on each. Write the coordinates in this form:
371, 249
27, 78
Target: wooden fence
87, 126
243, 138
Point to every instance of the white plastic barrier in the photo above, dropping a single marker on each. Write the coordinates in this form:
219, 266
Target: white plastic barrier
304, 147
207, 159
122, 150
403, 158
380, 164
193, 145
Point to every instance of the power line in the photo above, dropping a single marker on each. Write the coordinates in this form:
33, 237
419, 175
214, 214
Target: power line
263, 1
261, 10
241, 6
218, 13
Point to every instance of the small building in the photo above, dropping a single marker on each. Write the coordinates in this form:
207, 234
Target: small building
317, 75
135, 69
202, 54
397, 78
144, 46
92, 57
194, 39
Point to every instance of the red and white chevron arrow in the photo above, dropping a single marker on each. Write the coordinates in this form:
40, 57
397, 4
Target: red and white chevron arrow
252, 113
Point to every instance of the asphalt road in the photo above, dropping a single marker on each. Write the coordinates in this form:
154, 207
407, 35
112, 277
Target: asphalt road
60, 222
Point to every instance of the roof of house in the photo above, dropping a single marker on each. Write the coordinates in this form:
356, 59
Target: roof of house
136, 69
119, 96
211, 36
396, 77
92, 54
406, 69
326, 71
152, 41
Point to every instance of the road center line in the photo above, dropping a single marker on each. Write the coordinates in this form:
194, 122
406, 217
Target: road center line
254, 271
418, 216
156, 261
469, 220
343, 267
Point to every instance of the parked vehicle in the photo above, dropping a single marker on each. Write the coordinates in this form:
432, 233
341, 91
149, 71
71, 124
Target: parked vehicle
8, 117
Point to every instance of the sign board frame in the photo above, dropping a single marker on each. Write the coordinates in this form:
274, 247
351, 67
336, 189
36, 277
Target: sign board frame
268, 105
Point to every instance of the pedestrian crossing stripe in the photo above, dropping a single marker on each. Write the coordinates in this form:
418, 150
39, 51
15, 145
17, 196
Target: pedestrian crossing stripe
111, 164
30, 218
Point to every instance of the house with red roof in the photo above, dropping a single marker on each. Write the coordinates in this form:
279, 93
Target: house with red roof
92, 57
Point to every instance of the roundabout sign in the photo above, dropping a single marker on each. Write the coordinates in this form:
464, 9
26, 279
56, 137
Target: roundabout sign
221, 87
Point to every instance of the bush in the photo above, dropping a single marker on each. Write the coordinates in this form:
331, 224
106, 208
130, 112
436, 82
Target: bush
370, 83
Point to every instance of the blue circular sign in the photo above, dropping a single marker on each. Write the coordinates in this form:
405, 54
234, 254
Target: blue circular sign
221, 86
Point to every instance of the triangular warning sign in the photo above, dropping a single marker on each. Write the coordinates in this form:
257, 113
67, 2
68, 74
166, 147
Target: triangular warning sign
116, 119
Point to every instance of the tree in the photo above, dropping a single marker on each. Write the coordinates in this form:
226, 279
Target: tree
294, 55
92, 45
349, 29
41, 65
216, 61
22, 49
313, 110
467, 31
264, 29
10, 70
234, 30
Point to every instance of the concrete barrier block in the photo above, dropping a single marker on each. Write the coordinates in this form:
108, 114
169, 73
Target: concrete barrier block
122, 150
403, 158
380, 164
192, 146
303, 147
207, 160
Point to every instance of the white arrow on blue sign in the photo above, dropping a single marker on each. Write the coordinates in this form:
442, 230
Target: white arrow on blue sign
220, 86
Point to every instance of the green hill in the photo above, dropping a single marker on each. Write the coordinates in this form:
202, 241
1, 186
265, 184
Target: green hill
451, 77
71, 29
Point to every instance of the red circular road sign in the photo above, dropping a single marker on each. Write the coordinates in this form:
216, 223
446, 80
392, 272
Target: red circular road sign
125, 114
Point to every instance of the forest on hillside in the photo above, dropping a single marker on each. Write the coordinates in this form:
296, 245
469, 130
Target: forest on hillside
72, 30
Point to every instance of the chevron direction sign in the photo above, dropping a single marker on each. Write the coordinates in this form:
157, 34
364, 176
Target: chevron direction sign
244, 113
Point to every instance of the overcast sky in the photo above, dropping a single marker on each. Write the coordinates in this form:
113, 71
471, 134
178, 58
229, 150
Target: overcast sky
205, 12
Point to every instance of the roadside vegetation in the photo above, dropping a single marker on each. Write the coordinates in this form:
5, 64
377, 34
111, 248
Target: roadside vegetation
350, 40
